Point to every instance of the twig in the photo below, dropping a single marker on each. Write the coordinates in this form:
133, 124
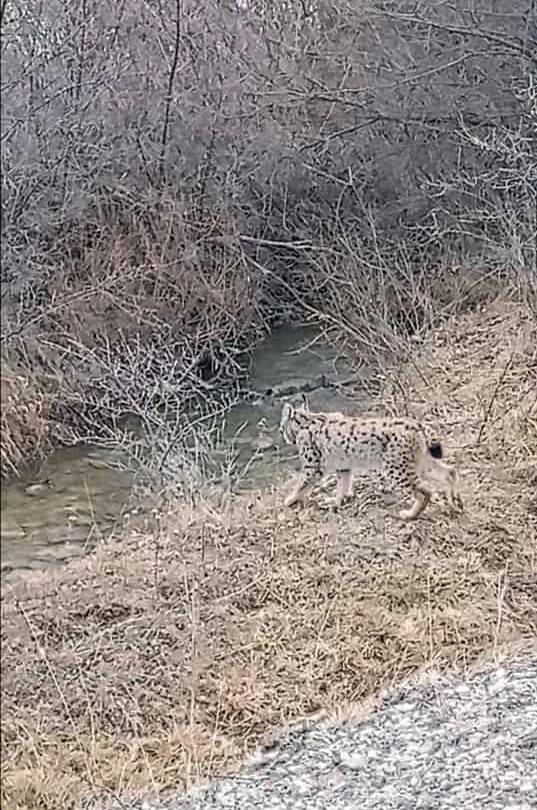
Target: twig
488, 410
169, 93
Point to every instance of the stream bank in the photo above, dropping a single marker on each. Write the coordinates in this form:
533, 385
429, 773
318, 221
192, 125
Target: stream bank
79, 496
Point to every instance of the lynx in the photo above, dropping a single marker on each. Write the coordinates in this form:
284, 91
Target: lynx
398, 447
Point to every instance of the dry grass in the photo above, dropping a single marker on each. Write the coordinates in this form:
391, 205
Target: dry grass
144, 314
24, 420
165, 655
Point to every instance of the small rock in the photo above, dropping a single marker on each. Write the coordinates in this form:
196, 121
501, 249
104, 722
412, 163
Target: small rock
37, 488
353, 761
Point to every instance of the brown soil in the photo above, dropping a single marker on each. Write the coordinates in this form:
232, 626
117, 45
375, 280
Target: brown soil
166, 654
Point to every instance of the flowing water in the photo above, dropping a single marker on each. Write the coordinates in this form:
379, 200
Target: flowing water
78, 497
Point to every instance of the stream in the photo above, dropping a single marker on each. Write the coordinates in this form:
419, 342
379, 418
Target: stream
78, 497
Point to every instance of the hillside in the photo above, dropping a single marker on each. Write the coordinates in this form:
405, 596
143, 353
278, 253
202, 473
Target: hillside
168, 653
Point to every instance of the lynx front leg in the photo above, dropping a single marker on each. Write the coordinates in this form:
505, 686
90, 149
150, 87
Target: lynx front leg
304, 485
343, 489
310, 461
344, 485
326, 482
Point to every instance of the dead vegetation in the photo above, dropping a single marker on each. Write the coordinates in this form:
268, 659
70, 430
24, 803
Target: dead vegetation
24, 420
370, 168
340, 163
147, 326
165, 655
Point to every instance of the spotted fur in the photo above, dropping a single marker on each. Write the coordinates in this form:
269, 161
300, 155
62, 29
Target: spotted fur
333, 443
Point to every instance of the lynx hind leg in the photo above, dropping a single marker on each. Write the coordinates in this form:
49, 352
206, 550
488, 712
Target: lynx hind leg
455, 491
401, 473
449, 481
422, 496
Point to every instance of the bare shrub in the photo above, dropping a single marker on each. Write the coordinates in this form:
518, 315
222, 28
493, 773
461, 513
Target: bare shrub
422, 176
175, 178
123, 277
143, 324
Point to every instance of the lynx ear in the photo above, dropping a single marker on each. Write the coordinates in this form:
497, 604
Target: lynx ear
287, 412
303, 403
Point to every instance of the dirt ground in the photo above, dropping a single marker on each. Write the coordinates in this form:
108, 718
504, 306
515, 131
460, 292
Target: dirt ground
168, 653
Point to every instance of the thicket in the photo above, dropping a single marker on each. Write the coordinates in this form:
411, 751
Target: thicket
177, 175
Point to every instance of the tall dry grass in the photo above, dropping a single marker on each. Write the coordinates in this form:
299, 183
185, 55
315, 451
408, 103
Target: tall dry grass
164, 656
144, 319
24, 420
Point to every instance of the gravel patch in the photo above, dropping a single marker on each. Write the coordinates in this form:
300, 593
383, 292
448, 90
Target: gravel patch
445, 743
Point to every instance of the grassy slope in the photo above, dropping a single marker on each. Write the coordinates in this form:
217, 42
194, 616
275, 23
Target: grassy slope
163, 656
